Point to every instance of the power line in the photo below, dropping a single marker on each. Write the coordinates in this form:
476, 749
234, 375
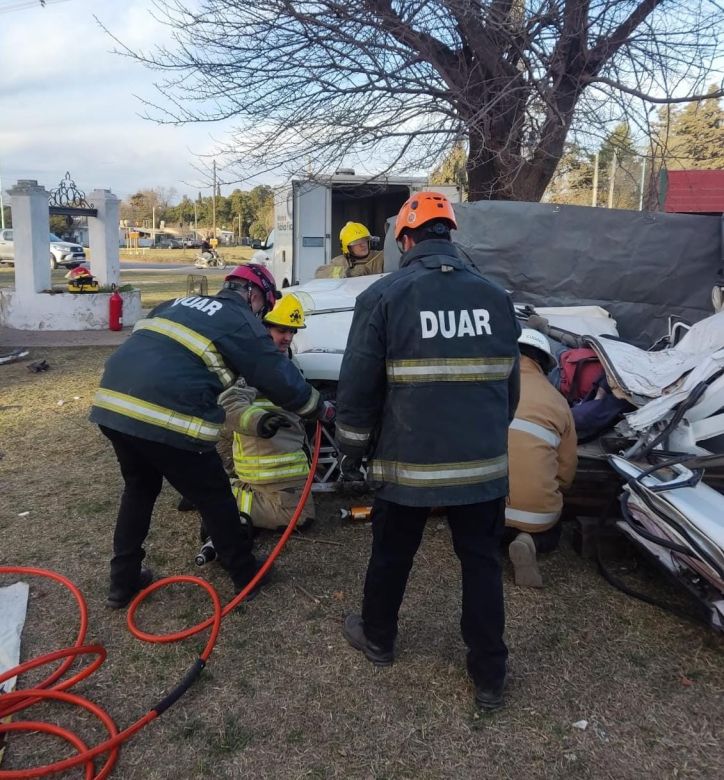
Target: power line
22, 6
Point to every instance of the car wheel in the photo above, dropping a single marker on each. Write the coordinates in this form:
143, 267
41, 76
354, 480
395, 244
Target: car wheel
53, 262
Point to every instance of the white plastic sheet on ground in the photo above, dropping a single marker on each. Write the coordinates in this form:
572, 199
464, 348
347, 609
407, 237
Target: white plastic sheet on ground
13, 608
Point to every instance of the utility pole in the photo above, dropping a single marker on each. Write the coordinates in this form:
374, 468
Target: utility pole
2, 207
153, 223
195, 221
612, 182
594, 199
240, 228
641, 185
213, 200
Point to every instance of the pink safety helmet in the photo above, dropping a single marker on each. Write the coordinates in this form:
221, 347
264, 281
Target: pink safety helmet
254, 273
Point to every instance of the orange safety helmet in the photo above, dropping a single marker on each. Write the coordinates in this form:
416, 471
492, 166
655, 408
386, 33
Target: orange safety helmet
424, 207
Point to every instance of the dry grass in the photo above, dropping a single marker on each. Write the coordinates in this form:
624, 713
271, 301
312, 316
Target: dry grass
155, 287
231, 254
284, 696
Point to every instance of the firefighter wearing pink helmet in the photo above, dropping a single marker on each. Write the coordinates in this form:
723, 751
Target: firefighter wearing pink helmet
158, 405
255, 280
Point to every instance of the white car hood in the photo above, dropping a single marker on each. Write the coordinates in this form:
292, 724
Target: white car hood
329, 305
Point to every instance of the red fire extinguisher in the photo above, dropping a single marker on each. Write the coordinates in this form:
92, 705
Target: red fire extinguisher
115, 310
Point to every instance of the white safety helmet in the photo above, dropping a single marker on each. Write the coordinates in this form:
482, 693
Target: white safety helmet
535, 339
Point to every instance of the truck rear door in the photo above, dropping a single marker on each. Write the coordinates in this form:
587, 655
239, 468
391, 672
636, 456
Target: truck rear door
312, 217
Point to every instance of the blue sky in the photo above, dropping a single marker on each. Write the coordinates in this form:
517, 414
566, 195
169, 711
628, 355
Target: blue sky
67, 102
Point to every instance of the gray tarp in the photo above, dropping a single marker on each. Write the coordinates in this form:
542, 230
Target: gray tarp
641, 267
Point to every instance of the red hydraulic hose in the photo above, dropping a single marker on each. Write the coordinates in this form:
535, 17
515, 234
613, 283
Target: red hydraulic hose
50, 689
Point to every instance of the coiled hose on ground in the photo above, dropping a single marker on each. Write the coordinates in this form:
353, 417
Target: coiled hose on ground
54, 688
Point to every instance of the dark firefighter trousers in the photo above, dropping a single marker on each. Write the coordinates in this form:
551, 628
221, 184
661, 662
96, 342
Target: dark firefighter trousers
476, 533
197, 476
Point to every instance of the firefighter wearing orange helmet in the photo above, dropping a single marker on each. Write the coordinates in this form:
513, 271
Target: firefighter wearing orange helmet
428, 385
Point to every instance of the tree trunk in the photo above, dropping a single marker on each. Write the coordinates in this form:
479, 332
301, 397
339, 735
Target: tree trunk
484, 177
494, 174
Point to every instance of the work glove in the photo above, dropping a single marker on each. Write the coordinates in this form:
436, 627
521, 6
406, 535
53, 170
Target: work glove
352, 481
270, 423
350, 469
326, 412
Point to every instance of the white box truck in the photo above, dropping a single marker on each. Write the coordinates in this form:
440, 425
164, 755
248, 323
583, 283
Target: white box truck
309, 213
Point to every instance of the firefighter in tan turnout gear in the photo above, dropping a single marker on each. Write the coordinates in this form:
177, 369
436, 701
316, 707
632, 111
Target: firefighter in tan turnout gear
270, 449
543, 456
428, 386
356, 258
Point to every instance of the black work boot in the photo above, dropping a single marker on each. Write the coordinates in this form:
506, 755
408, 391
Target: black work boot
354, 632
489, 699
120, 596
240, 584
185, 505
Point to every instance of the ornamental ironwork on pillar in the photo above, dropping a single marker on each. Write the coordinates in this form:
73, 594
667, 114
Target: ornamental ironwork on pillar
67, 200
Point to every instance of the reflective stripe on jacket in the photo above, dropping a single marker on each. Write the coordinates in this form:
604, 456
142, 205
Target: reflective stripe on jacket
429, 381
163, 382
542, 452
280, 459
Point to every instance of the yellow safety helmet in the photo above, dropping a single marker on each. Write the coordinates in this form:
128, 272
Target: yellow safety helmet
288, 313
351, 232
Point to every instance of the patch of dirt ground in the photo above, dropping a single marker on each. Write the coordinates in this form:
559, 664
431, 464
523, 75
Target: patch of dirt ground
284, 696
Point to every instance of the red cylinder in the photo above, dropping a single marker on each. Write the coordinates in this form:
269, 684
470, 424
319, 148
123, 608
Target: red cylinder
115, 310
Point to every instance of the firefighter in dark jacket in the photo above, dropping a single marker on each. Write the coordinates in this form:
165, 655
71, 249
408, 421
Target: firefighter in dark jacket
428, 385
157, 403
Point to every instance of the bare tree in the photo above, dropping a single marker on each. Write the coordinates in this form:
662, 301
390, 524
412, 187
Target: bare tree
318, 83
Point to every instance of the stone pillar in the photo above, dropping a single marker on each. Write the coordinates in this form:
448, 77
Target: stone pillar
31, 220
103, 237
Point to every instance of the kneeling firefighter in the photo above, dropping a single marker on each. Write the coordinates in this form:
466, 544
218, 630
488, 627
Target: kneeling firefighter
356, 258
157, 404
270, 452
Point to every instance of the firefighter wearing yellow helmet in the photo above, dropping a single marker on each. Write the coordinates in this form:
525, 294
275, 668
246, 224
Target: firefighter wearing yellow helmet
356, 258
268, 462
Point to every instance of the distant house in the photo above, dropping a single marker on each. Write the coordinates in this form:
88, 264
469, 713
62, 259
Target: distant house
692, 192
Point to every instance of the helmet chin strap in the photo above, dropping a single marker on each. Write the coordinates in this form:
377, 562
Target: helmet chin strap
258, 314
352, 259
264, 309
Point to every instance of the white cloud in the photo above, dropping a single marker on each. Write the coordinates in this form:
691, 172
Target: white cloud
67, 102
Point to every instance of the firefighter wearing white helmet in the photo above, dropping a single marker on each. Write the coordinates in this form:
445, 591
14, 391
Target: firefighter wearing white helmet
542, 461
269, 446
356, 258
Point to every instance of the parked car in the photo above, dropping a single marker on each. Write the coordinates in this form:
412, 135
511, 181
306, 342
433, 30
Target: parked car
190, 242
256, 243
61, 252
169, 242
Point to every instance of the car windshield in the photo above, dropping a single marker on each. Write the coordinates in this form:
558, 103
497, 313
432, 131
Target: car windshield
53, 237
